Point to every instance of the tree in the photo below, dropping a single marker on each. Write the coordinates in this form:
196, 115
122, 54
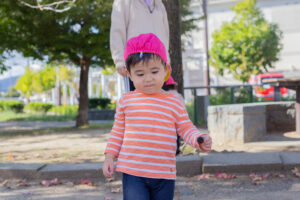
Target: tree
25, 83
246, 45
36, 82
174, 17
180, 23
55, 6
80, 36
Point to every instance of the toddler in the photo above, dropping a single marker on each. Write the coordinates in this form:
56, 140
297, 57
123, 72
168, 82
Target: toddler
147, 120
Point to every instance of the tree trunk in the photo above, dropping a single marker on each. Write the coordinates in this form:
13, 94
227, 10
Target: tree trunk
174, 17
82, 117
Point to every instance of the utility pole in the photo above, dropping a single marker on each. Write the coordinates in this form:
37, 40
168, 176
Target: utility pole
206, 57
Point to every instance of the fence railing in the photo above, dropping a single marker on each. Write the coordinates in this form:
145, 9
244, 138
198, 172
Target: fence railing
226, 94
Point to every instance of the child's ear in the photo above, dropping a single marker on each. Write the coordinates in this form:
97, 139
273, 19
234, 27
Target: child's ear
168, 71
169, 68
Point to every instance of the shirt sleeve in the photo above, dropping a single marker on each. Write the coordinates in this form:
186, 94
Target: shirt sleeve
185, 128
117, 132
118, 31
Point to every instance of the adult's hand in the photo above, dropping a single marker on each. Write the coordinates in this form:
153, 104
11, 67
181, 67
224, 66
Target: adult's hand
122, 71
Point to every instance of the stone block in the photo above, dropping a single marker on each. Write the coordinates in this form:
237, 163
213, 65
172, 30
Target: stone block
236, 124
21, 171
290, 160
188, 165
241, 162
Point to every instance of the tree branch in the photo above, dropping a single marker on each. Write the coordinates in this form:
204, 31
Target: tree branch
51, 6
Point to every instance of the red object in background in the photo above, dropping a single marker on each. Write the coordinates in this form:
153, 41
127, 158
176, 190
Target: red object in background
265, 90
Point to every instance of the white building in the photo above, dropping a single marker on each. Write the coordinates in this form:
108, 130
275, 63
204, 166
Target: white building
285, 13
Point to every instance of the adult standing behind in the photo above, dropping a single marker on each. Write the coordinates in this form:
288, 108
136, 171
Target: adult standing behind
131, 18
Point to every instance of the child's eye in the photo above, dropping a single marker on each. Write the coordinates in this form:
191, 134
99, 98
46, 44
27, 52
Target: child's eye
140, 74
154, 72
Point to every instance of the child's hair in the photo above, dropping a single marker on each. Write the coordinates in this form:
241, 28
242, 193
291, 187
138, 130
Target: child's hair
136, 58
169, 87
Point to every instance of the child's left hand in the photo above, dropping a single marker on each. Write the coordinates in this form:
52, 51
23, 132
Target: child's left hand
205, 146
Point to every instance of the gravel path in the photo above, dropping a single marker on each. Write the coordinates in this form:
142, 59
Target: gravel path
241, 188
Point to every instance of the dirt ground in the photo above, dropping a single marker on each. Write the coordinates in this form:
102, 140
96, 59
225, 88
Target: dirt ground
74, 147
79, 146
283, 186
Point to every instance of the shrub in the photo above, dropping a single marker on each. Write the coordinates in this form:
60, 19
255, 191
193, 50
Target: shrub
222, 97
15, 106
65, 110
39, 107
101, 103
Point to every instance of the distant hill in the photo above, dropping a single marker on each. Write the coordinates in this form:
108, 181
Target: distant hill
6, 83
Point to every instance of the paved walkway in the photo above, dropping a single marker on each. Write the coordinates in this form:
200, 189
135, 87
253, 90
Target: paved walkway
276, 153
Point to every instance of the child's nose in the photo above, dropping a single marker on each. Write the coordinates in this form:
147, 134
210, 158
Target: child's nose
148, 77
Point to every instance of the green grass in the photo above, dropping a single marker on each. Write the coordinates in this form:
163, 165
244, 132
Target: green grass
28, 117
49, 131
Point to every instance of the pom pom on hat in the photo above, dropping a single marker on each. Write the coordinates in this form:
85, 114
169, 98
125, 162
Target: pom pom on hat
145, 43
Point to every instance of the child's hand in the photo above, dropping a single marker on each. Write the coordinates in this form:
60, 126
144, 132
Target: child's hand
108, 165
204, 143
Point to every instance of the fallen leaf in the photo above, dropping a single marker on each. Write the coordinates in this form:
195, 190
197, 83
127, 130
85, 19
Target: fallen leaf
204, 176
296, 171
87, 182
4, 183
24, 184
116, 190
278, 175
265, 176
45, 183
10, 157
54, 182
225, 176
48, 183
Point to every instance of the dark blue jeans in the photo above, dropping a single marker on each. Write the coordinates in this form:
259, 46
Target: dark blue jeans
141, 188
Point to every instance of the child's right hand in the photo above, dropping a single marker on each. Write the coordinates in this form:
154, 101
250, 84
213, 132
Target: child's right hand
108, 165
204, 143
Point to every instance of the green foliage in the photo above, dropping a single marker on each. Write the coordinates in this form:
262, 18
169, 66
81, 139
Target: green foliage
100, 103
33, 117
46, 79
83, 31
64, 110
187, 19
222, 97
25, 83
15, 106
246, 45
12, 92
39, 82
109, 70
66, 74
39, 107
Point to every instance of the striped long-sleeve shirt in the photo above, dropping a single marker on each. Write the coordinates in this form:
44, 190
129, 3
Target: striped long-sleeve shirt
143, 137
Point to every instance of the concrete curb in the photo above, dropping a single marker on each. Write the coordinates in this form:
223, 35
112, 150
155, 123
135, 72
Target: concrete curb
186, 166
242, 162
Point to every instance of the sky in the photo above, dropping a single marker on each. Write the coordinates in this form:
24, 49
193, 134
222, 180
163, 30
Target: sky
18, 64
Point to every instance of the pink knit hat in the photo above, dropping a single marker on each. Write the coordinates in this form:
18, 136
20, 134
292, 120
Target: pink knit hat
145, 43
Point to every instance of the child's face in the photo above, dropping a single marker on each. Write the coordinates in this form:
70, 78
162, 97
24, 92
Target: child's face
148, 77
